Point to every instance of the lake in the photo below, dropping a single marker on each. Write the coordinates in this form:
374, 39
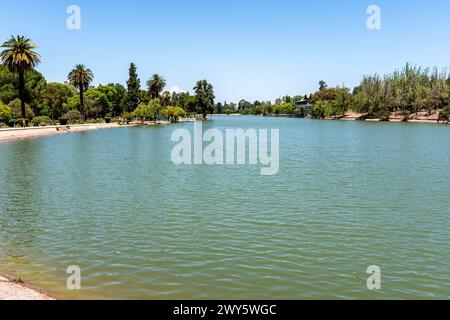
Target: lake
348, 195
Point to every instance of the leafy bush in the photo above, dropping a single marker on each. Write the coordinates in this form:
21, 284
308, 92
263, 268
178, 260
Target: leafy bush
14, 122
406, 114
173, 113
127, 117
93, 121
383, 114
444, 115
73, 116
5, 113
285, 108
41, 121
15, 106
320, 109
300, 113
63, 121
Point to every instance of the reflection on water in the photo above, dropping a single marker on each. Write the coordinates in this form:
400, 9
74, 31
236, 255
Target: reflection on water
348, 195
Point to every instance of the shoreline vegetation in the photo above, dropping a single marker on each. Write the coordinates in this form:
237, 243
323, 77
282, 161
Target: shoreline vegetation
14, 134
413, 94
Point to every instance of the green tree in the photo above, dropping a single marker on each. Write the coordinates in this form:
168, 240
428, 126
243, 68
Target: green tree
143, 111
81, 77
219, 108
147, 111
322, 85
16, 107
34, 86
204, 98
156, 85
342, 101
166, 99
55, 96
133, 89
8, 85
188, 102
319, 109
19, 56
173, 113
444, 115
155, 108
97, 104
73, 116
119, 99
5, 113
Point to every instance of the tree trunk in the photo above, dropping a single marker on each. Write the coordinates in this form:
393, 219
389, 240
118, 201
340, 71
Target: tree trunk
22, 97
82, 102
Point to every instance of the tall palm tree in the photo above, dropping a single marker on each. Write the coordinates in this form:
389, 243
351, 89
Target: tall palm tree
81, 77
19, 56
156, 85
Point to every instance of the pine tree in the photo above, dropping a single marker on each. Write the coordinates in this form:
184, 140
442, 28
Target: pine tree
134, 87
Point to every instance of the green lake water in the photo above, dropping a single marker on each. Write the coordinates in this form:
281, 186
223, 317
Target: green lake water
348, 195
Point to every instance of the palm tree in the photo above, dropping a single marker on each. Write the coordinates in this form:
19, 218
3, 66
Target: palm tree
80, 77
156, 85
19, 56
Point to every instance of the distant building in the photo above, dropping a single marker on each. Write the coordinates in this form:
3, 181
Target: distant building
305, 103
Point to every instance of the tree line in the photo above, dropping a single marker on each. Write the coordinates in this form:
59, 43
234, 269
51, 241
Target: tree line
26, 97
407, 91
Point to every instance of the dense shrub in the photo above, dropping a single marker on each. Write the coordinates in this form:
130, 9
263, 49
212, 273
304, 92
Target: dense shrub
94, 121
320, 109
73, 116
63, 121
5, 113
15, 106
41, 121
444, 115
300, 113
14, 122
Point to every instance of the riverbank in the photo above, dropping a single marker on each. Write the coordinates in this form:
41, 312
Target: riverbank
419, 117
10, 290
11, 134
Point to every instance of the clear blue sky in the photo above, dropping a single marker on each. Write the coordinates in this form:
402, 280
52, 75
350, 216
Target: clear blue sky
252, 49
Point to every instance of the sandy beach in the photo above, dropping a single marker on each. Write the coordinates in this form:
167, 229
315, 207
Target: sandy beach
418, 117
15, 291
11, 134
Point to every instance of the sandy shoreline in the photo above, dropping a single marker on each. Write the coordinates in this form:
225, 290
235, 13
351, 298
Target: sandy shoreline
16, 291
419, 117
11, 134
